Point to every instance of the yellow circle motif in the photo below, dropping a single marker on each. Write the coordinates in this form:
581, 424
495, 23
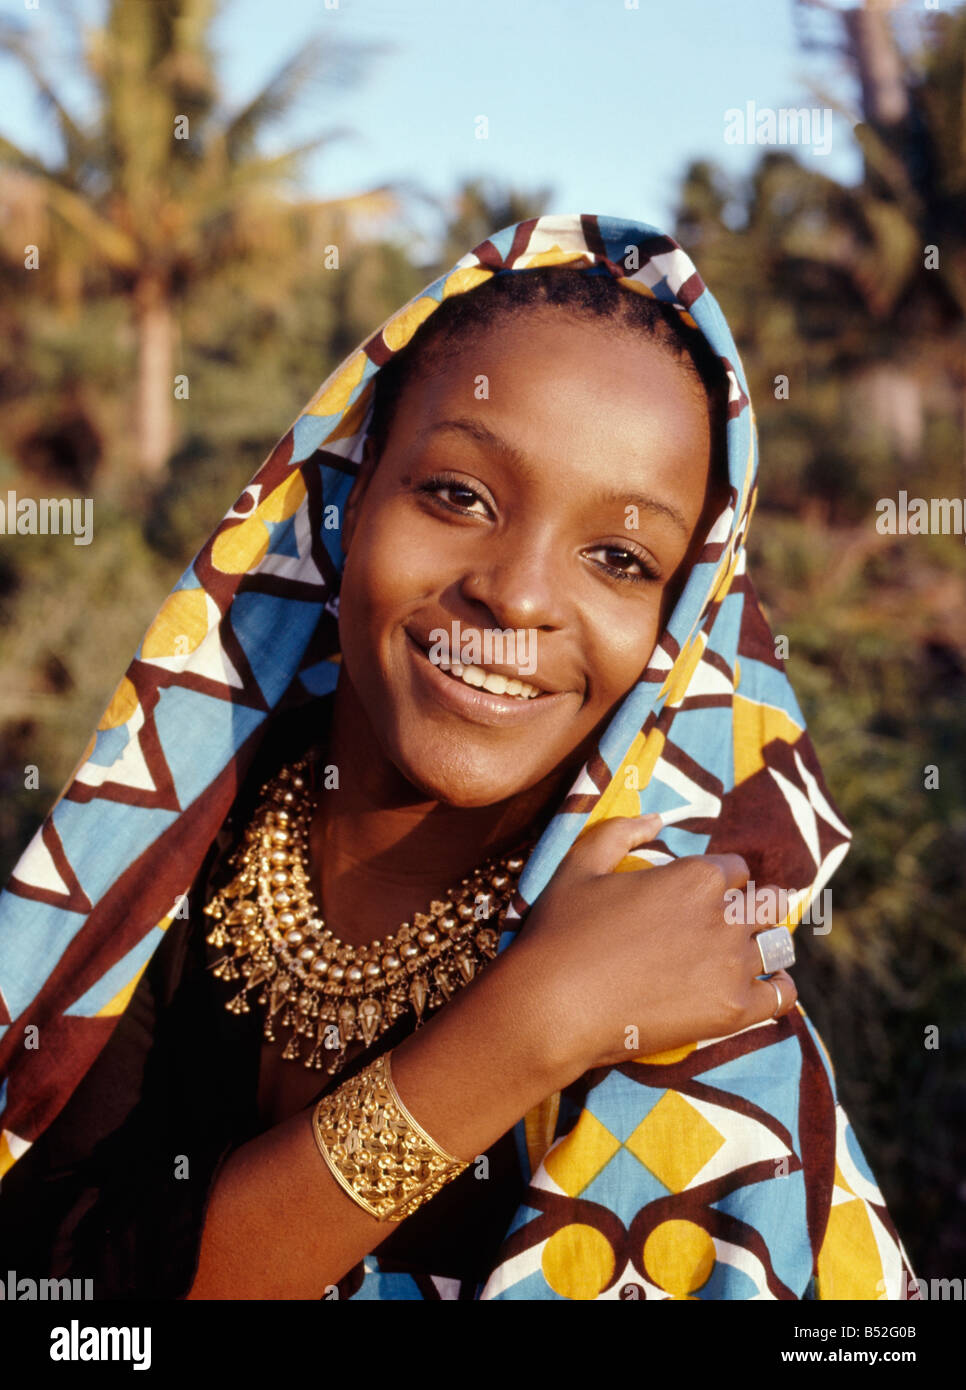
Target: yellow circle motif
578, 1261
679, 1257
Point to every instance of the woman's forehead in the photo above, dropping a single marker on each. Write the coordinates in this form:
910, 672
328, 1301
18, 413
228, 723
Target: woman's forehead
570, 360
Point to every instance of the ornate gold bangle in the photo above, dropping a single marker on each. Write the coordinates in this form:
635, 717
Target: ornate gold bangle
375, 1150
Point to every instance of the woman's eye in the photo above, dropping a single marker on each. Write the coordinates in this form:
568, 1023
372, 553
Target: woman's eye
622, 564
461, 496
629, 565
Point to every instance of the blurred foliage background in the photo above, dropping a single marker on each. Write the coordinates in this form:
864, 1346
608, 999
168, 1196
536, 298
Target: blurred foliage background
163, 256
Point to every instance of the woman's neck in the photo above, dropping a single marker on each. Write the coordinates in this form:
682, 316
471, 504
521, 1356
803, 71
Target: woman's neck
381, 851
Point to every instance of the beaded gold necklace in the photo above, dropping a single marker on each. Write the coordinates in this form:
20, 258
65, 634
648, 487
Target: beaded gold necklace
324, 990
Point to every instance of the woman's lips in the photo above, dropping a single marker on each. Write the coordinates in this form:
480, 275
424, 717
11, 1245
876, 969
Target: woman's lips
472, 702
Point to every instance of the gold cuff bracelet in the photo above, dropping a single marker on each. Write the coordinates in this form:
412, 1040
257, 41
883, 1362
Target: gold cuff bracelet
375, 1150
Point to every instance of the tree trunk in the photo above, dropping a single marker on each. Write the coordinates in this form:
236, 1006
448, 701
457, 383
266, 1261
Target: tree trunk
885, 97
154, 425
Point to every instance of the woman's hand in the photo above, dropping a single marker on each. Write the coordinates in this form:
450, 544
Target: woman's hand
648, 950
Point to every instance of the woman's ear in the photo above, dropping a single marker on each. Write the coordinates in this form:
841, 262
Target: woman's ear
353, 502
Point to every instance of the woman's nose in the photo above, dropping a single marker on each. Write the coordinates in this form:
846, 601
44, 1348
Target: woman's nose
520, 590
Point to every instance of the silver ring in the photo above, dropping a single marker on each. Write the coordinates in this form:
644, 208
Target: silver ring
774, 985
776, 948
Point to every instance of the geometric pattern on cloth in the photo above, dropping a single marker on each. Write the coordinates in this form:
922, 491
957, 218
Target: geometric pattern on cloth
664, 1177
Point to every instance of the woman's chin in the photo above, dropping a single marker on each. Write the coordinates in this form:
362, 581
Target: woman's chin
464, 785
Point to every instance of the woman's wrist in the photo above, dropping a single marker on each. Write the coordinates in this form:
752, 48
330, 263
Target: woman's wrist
549, 1033
485, 1060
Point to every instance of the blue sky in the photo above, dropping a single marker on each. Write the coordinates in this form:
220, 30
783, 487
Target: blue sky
603, 103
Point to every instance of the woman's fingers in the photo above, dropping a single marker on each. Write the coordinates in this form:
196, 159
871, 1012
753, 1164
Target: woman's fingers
773, 997
601, 848
770, 906
733, 868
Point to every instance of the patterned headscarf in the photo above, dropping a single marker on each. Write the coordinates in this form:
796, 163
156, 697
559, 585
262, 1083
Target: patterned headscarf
723, 1170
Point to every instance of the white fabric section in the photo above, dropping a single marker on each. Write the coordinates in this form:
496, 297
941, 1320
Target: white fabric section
739, 1258
802, 812
130, 769
674, 266
755, 1142
708, 680
699, 802
209, 658
859, 1185
446, 1288
212, 660
254, 491
828, 867
765, 1023
348, 446
512, 1271
37, 867
721, 529
817, 799
584, 785
550, 232
890, 1258
17, 1146
542, 1178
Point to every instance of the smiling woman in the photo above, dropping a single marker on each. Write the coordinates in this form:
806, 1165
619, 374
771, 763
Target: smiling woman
492, 505
451, 811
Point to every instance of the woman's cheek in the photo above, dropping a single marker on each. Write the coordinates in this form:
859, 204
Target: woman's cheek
405, 560
620, 650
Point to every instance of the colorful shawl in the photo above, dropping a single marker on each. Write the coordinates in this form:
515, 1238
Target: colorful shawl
725, 1170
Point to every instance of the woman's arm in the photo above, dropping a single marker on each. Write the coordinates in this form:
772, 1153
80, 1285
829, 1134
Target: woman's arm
604, 956
279, 1225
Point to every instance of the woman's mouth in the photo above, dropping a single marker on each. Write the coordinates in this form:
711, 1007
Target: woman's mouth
481, 696
493, 681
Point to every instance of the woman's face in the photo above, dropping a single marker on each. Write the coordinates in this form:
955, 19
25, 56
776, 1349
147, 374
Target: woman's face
573, 499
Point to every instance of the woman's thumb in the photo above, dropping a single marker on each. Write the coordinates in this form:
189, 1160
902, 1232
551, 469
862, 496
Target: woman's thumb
601, 848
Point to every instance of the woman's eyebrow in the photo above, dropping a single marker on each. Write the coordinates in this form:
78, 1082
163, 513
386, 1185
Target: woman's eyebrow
484, 435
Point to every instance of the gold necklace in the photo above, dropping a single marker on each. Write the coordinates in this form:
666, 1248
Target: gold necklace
321, 988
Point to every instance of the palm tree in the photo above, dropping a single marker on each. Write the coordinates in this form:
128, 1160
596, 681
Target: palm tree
861, 289
897, 239
163, 188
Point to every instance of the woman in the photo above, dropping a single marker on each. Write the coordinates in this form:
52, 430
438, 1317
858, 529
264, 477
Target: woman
487, 598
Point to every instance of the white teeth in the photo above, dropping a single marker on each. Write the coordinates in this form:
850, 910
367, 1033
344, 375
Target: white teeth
490, 680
